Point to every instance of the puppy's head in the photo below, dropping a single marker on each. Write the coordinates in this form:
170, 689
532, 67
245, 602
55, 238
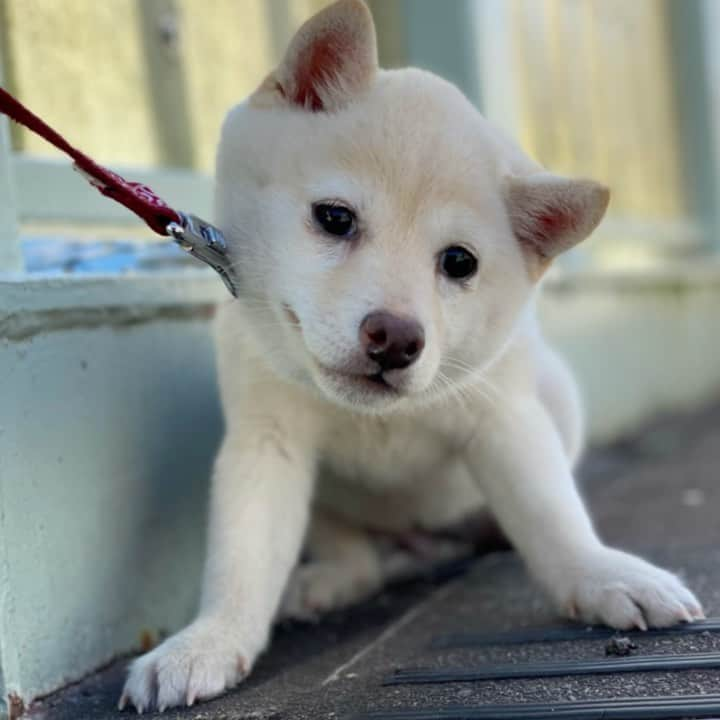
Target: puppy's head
387, 238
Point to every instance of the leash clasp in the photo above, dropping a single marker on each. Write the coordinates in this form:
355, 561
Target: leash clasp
205, 242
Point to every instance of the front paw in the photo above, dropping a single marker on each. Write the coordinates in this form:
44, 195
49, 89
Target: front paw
198, 663
623, 591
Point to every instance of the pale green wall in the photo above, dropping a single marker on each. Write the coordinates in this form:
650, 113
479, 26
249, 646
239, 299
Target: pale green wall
108, 422
641, 345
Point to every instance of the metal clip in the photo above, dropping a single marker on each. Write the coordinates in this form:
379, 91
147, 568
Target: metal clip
206, 243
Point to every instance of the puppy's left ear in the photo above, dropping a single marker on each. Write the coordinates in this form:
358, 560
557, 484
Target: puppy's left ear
331, 59
549, 213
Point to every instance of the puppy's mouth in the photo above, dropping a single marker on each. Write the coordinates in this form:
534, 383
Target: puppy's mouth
379, 379
356, 384
375, 384
291, 316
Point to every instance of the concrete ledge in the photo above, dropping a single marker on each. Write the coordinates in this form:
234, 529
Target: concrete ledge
680, 275
49, 304
109, 418
641, 343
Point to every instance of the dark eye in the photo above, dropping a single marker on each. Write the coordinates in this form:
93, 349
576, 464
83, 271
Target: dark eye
457, 263
335, 219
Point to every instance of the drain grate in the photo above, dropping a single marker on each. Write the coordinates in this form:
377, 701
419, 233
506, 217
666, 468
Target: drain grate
648, 663
640, 708
657, 708
559, 634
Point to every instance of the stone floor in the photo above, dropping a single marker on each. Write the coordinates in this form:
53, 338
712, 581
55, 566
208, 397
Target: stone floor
657, 494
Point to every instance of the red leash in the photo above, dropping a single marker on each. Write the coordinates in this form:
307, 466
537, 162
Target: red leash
201, 239
136, 197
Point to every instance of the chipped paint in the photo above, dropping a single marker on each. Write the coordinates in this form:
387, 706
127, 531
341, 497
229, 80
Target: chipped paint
37, 305
21, 326
148, 640
15, 706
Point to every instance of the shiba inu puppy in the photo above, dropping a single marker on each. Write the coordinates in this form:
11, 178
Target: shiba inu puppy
383, 370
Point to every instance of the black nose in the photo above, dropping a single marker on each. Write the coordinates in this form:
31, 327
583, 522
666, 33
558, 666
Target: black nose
391, 341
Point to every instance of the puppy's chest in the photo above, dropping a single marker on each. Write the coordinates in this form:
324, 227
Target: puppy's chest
384, 453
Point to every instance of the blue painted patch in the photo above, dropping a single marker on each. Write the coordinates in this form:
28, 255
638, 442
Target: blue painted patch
53, 255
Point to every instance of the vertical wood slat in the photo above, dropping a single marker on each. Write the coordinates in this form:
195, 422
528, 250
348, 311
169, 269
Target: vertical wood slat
441, 38
391, 30
591, 88
10, 255
432, 35
161, 30
500, 90
610, 113
709, 20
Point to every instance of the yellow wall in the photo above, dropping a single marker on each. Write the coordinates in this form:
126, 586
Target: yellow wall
83, 65
594, 78
597, 97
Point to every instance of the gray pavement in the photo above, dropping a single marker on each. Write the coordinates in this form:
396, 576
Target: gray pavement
656, 493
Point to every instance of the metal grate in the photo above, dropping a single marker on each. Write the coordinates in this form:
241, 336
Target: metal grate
659, 708
566, 633
639, 708
647, 663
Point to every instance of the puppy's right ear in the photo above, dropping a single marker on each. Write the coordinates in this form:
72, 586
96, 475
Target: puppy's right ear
550, 213
331, 59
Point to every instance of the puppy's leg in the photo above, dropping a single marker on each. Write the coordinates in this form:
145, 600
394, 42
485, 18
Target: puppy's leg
348, 564
559, 394
344, 568
259, 505
519, 459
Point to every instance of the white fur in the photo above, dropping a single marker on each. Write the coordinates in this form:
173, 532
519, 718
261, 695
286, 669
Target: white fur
487, 414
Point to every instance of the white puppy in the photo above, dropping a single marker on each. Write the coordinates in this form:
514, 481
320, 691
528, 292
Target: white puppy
389, 244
